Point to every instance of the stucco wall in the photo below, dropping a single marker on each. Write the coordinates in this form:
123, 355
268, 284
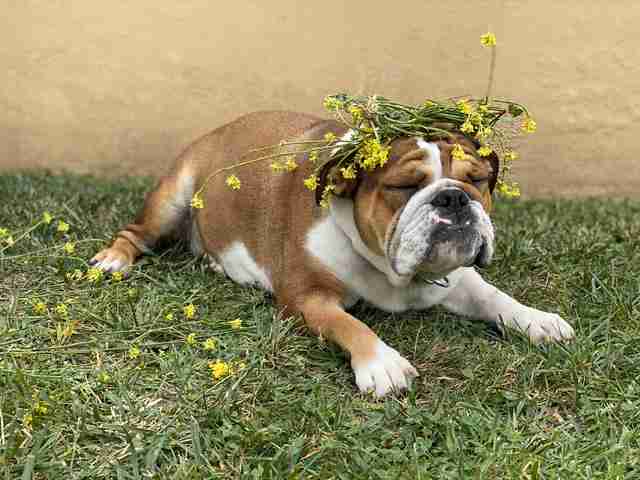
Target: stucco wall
121, 86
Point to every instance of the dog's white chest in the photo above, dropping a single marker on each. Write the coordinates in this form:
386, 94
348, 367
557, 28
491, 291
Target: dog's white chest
328, 243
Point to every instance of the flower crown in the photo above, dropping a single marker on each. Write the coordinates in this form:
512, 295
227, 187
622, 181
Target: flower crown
375, 122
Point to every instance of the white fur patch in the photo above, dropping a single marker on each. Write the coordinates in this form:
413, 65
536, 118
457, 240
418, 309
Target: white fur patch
174, 208
113, 262
335, 242
472, 296
185, 191
434, 157
387, 371
242, 268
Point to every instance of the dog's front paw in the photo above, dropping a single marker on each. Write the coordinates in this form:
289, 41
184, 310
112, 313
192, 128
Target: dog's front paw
383, 372
112, 259
545, 327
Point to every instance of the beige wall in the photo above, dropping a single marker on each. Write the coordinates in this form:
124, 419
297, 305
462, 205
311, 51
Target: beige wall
122, 86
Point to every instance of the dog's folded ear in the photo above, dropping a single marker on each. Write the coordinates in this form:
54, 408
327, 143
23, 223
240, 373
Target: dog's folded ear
495, 170
330, 174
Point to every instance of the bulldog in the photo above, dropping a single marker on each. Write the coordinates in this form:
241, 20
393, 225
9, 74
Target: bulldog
404, 236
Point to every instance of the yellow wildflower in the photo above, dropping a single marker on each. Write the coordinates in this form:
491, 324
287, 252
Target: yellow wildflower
197, 202
464, 106
236, 324
27, 421
428, 104
10, 241
62, 310
330, 137
332, 104
233, 182
485, 151
348, 173
75, 275
191, 339
94, 275
209, 344
69, 247
510, 156
372, 154
311, 182
484, 132
63, 227
40, 307
219, 369
457, 152
189, 310
509, 191
529, 125
47, 218
290, 164
483, 108
169, 317
313, 156
69, 329
117, 276
104, 377
40, 407
488, 39
324, 202
467, 127
475, 118
134, 352
356, 113
4, 232
277, 167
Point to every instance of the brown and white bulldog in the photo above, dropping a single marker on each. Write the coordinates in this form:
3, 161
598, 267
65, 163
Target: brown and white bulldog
422, 216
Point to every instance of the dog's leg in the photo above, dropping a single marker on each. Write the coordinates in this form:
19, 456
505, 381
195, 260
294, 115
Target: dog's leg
163, 211
377, 367
472, 296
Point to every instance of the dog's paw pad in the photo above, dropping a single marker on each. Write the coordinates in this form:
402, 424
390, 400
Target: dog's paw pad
111, 260
385, 372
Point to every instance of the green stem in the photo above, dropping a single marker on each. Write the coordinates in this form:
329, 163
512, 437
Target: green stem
492, 69
24, 234
253, 150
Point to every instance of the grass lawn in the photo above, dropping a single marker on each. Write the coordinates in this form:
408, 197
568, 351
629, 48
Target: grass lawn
109, 387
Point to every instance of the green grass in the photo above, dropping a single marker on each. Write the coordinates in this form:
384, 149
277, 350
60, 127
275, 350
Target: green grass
484, 406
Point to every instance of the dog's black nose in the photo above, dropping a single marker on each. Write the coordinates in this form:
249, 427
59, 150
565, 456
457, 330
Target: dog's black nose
451, 198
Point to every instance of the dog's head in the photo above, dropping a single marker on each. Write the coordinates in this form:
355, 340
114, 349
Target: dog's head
426, 211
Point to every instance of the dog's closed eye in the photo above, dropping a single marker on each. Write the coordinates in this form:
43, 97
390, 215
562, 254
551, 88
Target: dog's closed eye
479, 180
407, 190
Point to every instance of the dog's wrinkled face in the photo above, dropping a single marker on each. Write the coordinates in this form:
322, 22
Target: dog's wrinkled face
426, 211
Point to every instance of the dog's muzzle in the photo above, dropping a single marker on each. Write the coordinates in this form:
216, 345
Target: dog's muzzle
440, 229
